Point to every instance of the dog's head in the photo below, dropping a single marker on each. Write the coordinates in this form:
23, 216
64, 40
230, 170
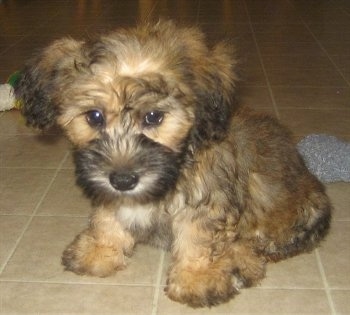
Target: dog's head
133, 102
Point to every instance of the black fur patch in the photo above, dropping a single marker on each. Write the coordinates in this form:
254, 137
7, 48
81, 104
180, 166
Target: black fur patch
34, 90
213, 117
157, 167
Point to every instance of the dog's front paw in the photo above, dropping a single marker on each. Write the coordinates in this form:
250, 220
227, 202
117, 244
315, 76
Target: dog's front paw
85, 256
200, 288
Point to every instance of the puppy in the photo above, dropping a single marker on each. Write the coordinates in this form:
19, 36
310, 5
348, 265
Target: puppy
168, 158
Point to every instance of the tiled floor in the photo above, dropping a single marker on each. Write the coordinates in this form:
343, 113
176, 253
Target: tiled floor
297, 61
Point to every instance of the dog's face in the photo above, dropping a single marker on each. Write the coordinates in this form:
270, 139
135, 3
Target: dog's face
134, 103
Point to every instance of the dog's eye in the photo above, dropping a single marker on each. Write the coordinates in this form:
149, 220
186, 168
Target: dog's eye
95, 118
153, 118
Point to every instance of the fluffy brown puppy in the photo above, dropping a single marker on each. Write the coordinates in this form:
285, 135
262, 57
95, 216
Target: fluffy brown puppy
169, 159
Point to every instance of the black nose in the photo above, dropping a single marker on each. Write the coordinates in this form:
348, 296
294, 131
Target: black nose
123, 180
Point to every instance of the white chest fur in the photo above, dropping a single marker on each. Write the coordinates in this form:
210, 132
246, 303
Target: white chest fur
134, 216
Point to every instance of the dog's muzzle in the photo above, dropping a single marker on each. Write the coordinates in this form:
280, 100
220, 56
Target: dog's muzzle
123, 181
128, 166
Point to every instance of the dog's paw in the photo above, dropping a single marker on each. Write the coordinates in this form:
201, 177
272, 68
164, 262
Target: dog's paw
249, 272
200, 288
85, 256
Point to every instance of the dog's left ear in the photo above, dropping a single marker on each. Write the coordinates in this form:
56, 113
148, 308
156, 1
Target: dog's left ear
41, 81
216, 94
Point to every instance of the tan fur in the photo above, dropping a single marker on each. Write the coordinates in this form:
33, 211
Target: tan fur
221, 187
101, 249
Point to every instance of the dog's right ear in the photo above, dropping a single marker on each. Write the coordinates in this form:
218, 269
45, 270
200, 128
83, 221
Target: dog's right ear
40, 83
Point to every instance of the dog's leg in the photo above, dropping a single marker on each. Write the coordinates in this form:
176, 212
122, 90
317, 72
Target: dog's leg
294, 225
100, 249
209, 267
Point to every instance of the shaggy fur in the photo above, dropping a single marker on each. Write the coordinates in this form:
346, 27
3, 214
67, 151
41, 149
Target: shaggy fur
168, 158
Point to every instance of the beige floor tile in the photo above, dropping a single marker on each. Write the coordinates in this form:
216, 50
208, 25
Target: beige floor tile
312, 98
69, 162
38, 298
327, 14
307, 121
21, 189
301, 63
15, 60
297, 272
228, 27
343, 60
12, 123
331, 33
65, 197
4, 74
258, 302
322, 77
240, 36
293, 48
11, 228
29, 45
219, 7
285, 14
32, 151
341, 300
257, 97
282, 33
244, 43
7, 41
338, 47
335, 255
346, 75
340, 197
271, 17
231, 13
38, 256
252, 73
259, 6
297, 27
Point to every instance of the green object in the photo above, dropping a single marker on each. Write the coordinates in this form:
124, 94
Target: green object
14, 78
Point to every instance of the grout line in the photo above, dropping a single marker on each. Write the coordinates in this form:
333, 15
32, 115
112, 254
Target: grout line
288, 289
158, 284
31, 217
274, 104
150, 13
15, 215
20, 38
280, 288
324, 50
340, 6
143, 285
326, 53
29, 133
325, 283
155, 286
48, 215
